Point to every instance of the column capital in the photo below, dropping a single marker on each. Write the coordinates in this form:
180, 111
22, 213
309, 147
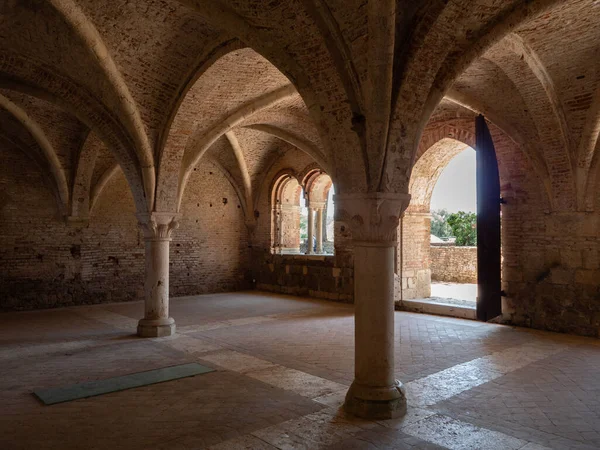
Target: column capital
158, 225
316, 205
372, 217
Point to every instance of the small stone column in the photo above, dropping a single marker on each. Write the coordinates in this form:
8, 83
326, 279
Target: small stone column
320, 230
311, 232
373, 219
157, 228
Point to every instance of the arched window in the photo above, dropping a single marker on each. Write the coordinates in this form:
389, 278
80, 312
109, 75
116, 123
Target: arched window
286, 210
317, 185
302, 214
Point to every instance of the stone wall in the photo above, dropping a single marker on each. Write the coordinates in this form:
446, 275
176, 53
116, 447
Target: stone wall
552, 279
413, 274
323, 276
329, 277
453, 264
45, 262
551, 259
551, 253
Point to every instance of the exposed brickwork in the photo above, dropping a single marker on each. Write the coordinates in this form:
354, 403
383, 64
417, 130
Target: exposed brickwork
47, 263
453, 264
550, 266
551, 270
258, 87
209, 251
549, 258
413, 278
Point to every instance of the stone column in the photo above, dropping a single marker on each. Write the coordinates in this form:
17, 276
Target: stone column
157, 228
311, 228
373, 219
320, 230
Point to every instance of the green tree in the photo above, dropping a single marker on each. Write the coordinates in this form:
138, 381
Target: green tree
303, 227
439, 225
464, 227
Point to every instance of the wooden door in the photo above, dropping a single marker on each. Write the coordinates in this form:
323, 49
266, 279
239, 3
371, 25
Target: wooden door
489, 303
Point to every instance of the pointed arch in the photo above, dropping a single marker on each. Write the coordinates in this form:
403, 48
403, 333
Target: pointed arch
201, 143
291, 138
322, 90
531, 152
33, 78
80, 191
101, 184
239, 157
588, 164
428, 169
48, 151
128, 111
433, 66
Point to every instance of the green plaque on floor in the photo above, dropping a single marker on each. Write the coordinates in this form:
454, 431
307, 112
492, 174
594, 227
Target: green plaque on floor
93, 388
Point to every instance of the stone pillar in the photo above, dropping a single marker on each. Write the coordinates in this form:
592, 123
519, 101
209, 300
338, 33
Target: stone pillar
157, 228
373, 219
320, 230
311, 228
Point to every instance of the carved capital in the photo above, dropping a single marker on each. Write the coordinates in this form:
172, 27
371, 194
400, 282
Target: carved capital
158, 225
372, 217
316, 205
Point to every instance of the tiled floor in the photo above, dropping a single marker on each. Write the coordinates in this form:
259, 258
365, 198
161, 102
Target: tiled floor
283, 366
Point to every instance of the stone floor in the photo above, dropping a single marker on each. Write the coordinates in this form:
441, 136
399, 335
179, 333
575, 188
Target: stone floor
283, 366
458, 293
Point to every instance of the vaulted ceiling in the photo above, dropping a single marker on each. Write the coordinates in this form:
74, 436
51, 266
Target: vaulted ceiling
152, 87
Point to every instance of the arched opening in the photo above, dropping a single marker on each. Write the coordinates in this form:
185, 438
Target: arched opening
317, 187
286, 211
453, 249
302, 214
434, 266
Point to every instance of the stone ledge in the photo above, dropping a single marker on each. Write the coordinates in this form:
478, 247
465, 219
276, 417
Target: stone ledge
303, 256
437, 308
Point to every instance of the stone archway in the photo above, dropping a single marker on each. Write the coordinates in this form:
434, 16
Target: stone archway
317, 185
285, 220
414, 253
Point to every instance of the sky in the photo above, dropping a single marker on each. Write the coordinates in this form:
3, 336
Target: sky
455, 189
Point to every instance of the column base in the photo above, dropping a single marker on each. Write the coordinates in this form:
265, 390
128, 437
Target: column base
368, 402
156, 327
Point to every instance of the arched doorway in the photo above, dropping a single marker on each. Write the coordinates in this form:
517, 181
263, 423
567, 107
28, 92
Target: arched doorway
483, 229
414, 248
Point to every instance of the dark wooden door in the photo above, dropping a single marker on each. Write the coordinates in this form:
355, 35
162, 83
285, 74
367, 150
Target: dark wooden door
489, 304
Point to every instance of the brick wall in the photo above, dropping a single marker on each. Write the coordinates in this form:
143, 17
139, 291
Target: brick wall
413, 274
551, 266
46, 263
551, 270
210, 250
551, 256
453, 264
551, 260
